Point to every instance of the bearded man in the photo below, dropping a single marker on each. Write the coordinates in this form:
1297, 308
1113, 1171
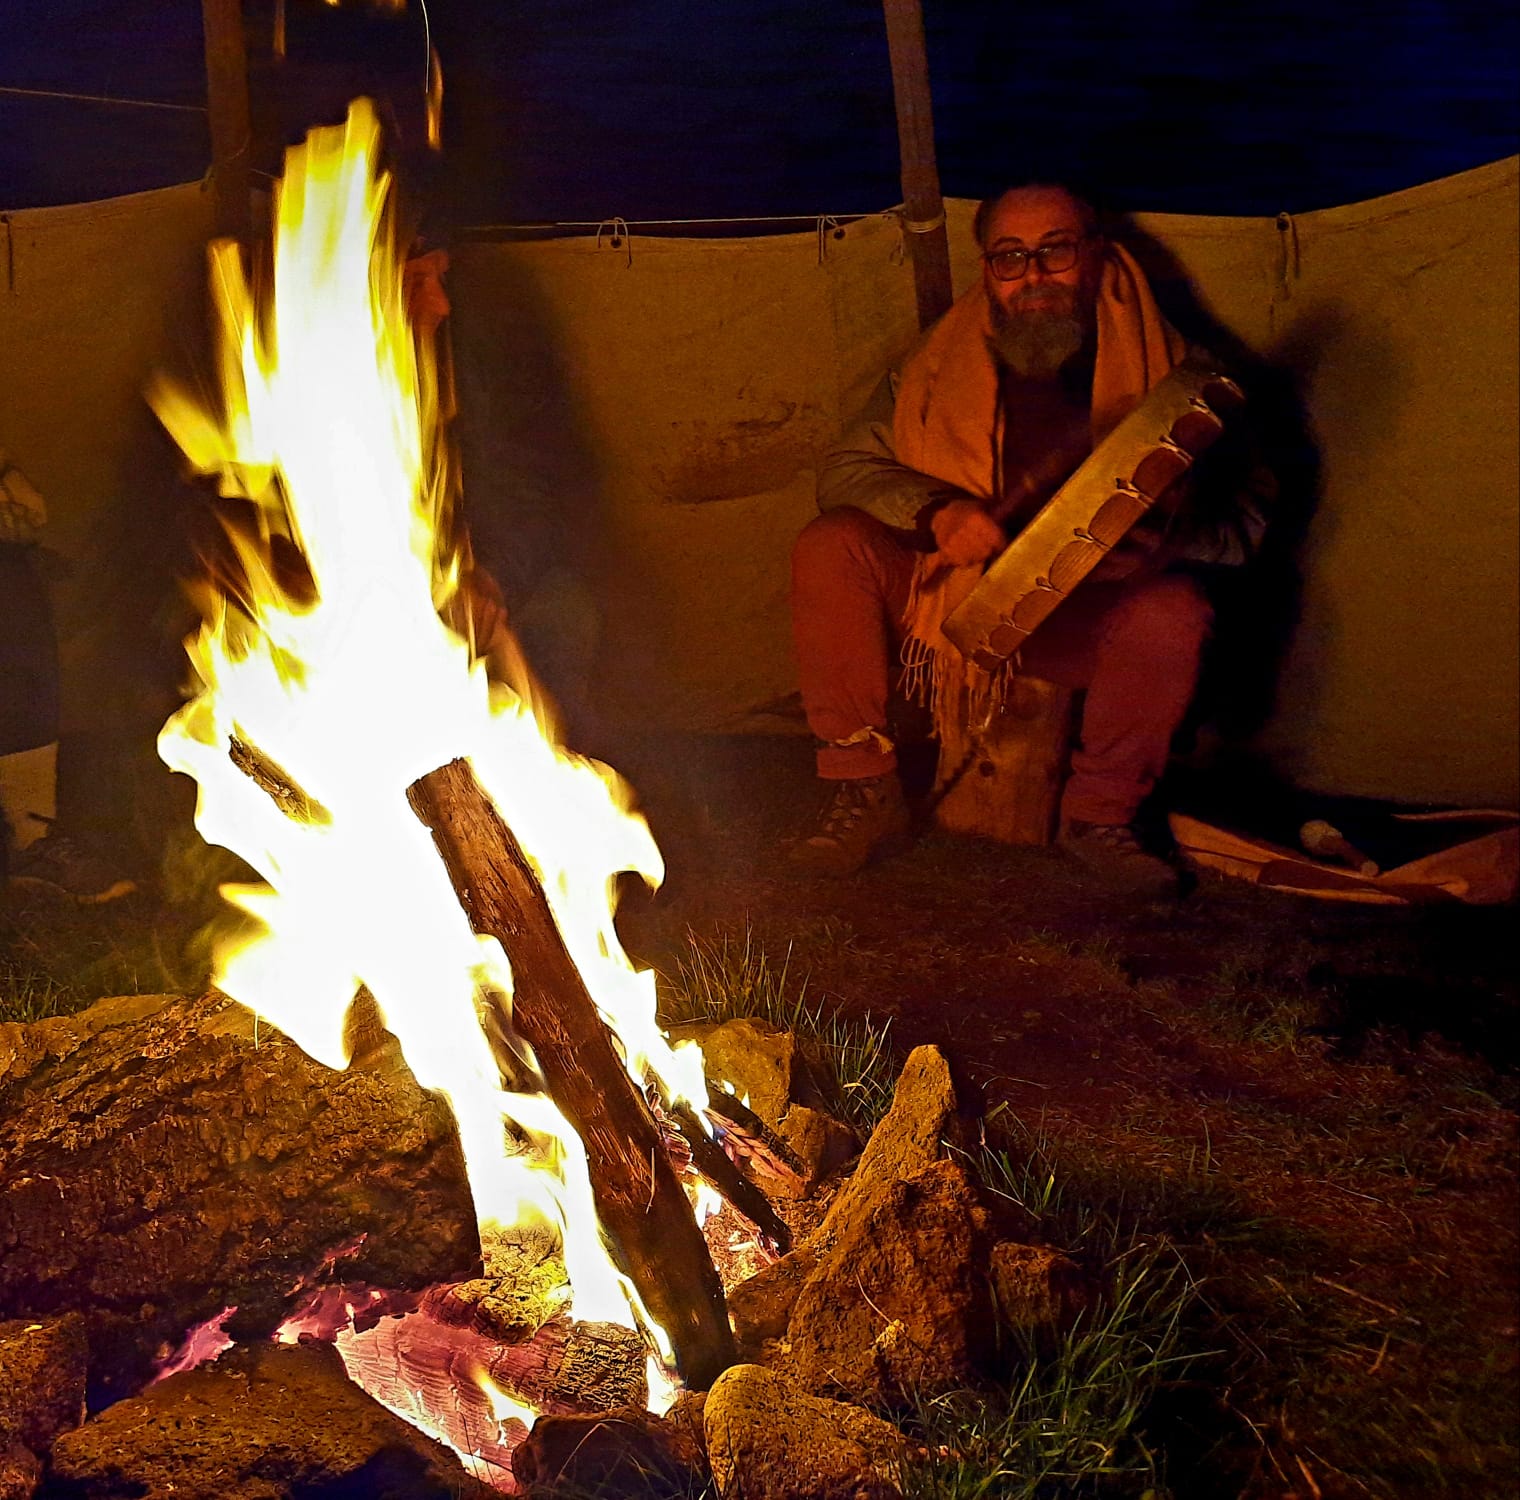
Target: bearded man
1002, 401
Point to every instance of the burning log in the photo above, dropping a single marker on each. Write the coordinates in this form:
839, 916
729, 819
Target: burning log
163, 1160
638, 1198
565, 1368
753, 1142
503, 1309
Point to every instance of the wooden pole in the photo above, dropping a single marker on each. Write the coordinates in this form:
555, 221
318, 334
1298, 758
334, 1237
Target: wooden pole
924, 207
638, 1198
227, 107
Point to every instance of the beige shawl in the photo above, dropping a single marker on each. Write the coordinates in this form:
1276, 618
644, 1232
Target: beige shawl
948, 422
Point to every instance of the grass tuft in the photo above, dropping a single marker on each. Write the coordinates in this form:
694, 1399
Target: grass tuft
56, 958
27, 994
1072, 1424
733, 978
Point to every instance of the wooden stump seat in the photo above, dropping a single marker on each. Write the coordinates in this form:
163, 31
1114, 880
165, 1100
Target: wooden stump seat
1005, 783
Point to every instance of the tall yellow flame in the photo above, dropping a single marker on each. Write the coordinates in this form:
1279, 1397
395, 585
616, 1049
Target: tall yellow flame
354, 686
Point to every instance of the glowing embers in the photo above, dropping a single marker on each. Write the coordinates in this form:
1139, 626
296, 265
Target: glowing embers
458, 1382
202, 1343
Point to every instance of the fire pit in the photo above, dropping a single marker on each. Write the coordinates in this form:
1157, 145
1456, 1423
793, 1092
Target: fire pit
897, 1277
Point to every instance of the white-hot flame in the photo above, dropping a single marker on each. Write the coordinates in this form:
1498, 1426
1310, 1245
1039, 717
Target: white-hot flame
662, 1389
708, 1202
506, 1407
352, 686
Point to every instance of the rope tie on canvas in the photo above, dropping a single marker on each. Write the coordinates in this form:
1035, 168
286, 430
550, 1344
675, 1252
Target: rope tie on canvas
828, 228
799, 222
1287, 239
616, 230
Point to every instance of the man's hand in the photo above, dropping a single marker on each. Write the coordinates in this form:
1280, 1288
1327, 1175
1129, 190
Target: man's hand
965, 533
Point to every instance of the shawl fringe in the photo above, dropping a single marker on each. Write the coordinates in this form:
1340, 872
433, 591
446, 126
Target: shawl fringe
959, 693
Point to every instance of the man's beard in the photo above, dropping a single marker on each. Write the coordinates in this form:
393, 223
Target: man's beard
1036, 343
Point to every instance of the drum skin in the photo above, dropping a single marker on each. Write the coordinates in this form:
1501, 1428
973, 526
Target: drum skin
1148, 452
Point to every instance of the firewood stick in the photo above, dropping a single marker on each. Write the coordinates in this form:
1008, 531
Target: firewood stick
638, 1198
297, 804
1327, 841
708, 1158
746, 1135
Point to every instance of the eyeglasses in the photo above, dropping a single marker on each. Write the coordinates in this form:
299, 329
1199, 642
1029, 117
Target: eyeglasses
1011, 265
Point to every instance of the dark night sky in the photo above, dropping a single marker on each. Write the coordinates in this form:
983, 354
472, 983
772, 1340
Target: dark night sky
580, 109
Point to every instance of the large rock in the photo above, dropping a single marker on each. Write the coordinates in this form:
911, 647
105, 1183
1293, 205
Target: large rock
685, 1414
42, 1380
760, 1064
899, 1301
265, 1422
908, 1138
767, 1440
760, 1307
902, 1288
820, 1143
42, 1393
20, 1472
163, 1159
1039, 1292
896, 1296
25, 1044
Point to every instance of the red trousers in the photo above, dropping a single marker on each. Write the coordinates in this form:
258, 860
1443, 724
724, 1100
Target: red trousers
1133, 647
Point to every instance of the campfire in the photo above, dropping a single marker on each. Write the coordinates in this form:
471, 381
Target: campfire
426, 1123
344, 739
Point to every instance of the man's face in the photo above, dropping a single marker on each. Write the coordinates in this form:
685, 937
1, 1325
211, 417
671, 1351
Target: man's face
1044, 316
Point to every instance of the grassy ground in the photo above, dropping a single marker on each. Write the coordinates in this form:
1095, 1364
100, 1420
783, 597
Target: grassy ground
1312, 1105
1288, 1128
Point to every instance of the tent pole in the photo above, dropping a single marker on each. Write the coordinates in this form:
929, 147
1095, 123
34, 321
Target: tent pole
924, 208
227, 106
